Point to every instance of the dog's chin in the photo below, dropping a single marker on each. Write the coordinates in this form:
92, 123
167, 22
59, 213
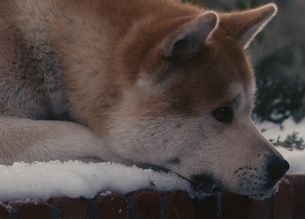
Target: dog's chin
213, 189
210, 185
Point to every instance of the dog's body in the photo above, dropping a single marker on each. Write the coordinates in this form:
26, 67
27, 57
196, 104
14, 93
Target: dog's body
134, 82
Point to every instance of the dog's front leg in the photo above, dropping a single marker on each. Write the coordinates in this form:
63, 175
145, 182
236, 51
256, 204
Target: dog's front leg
30, 140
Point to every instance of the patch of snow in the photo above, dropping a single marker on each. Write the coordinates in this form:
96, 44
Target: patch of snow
273, 131
73, 179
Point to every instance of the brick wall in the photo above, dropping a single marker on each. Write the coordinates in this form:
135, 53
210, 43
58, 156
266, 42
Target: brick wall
287, 203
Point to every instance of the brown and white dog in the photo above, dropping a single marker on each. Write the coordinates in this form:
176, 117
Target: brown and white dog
146, 82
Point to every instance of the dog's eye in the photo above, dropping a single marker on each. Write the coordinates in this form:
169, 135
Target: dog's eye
224, 114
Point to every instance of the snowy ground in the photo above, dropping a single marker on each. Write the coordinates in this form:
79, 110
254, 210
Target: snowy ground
75, 179
295, 158
288, 126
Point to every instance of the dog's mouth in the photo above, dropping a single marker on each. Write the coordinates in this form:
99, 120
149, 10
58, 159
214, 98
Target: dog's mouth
207, 183
204, 183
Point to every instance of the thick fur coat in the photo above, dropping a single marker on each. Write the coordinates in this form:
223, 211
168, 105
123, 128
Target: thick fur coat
147, 82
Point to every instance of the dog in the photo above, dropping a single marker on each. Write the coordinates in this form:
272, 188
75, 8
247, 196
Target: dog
154, 83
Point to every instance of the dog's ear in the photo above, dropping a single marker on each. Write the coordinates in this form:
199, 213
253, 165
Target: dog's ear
189, 38
245, 25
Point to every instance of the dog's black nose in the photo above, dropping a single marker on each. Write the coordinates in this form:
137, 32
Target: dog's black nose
276, 168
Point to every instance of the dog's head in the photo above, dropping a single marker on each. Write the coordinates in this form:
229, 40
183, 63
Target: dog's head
187, 102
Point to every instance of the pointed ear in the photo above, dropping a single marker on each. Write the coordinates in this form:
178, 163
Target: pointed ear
245, 25
188, 40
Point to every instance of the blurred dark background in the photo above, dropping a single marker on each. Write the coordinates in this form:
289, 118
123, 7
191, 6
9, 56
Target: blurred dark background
278, 55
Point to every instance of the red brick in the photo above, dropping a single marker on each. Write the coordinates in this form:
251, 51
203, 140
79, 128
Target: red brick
206, 208
76, 208
259, 209
180, 206
234, 206
32, 210
147, 204
298, 183
4, 212
112, 206
283, 202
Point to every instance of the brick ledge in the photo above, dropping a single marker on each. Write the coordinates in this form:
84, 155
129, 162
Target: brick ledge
288, 202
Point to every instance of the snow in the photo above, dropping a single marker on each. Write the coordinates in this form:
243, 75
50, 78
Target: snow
273, 131
73, 179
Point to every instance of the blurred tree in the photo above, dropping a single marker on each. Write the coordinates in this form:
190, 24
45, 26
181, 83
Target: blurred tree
281, 89
292, 142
